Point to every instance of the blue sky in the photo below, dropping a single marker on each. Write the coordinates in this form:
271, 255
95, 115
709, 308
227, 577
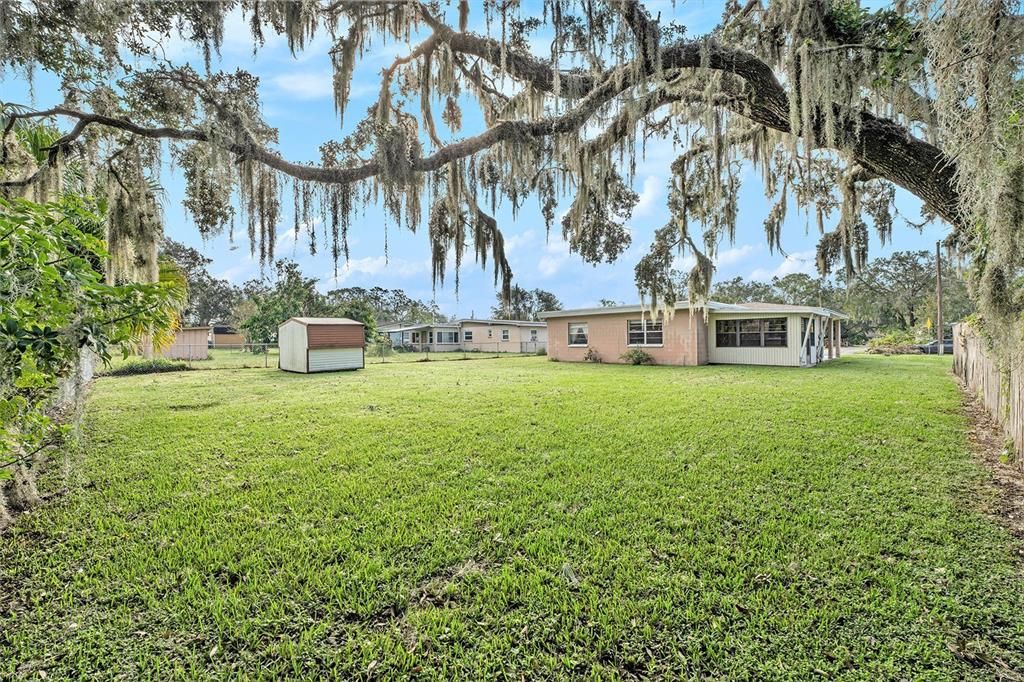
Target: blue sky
297, 97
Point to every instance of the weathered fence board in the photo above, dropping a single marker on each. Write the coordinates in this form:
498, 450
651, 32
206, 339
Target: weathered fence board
1002, 393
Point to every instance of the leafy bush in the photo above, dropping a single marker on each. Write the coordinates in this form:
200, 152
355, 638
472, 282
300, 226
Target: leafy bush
894, 342
154, 366
55, 306
636, 356
893, 337
592, 355
542, 351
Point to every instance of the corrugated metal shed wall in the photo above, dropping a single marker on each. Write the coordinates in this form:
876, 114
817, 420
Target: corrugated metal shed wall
335, 336
327, 359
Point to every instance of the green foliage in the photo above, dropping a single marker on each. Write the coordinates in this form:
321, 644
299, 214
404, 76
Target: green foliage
210, 300
290, 294
154, 366
894, 337
637, 356
54, 305
389, 305
524, 304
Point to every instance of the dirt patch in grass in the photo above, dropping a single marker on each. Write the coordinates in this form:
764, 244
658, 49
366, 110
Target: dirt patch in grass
988, 441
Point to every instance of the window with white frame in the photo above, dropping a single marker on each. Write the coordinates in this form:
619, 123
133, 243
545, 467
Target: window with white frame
533, 335
447, 337
504, 335
644, 332
768, 332
578, 334
467, 335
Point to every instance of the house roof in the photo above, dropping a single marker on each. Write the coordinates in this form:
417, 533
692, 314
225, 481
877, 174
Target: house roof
455, 324
427, 325
507, 323
323, 320
712, 306
758, 307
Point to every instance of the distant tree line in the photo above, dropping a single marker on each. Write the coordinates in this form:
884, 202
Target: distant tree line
525, 304
258, 306
894, 293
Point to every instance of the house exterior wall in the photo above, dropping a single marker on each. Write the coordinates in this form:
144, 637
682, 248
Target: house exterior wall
291, 340
517, 335
189, 344
785, 356
684, 338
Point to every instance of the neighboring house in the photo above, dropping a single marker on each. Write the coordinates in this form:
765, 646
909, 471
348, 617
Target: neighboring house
747, 333
506, 336
222, 335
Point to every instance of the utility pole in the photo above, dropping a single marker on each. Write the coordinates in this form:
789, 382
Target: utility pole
938, 298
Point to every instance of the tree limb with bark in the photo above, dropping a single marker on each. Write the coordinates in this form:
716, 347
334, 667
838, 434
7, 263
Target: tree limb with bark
833, 105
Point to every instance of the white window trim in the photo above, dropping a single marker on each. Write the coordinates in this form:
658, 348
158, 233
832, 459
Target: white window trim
645, 345
579, 345
506, 335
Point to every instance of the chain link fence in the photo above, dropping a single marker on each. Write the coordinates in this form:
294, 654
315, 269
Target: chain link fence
383, 352
206, 356
265, 355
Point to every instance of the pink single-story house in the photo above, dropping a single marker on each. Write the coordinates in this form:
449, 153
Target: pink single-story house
727, 333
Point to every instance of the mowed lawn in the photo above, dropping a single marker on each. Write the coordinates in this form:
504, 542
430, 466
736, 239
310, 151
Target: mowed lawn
520, 518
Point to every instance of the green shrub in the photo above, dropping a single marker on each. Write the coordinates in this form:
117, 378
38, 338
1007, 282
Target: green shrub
894, 342
542, 351
636, 356
893, 337
154, 366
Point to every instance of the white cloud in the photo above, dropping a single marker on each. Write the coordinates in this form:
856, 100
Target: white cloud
556, 255
236, 273
305, 85
649, 194
377, 265
516, 242
799, 261
724, 258
734, 255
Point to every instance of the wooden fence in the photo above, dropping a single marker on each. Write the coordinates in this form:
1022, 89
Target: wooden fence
1002, 393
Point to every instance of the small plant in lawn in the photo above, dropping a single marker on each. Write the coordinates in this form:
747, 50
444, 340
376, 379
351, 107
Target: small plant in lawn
636, 356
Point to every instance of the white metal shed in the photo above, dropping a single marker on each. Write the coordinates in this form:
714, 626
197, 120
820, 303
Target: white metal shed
321, 344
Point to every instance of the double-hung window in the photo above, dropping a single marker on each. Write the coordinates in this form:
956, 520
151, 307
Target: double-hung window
755, 333
467, 335
644, 332
504, 335
578, 334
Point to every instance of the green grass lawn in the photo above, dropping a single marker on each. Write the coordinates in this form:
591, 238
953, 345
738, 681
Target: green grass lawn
520, 518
